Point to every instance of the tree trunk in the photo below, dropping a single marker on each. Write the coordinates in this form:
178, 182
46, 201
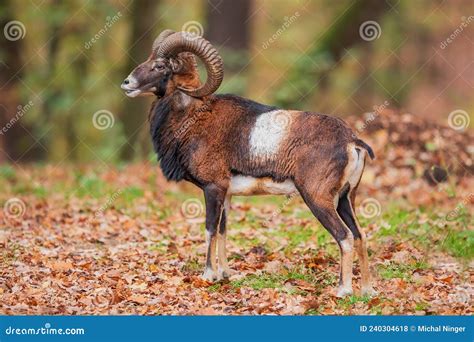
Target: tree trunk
331, 47
14, 136
228, 28
134, 111
51, 96
228, 23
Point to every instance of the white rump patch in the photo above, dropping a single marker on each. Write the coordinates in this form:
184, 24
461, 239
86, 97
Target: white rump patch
355, 166
246, 186
269, 131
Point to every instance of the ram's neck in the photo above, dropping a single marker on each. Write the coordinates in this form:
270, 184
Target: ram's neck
182, 102
173, 125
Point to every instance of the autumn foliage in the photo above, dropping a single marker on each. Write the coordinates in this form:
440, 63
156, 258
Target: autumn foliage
107, 239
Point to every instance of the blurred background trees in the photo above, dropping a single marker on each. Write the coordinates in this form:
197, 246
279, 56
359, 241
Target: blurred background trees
72, 56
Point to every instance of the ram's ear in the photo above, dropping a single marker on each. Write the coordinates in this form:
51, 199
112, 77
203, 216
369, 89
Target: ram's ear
176, 64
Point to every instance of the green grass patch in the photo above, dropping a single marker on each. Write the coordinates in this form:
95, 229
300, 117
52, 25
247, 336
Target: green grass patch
161, 247
90, 186
402, 271
245, 242
214, 287
131, 193
395, 220
460, 244
312, 312
278, 280
421, 306
259, 282
299, 235
347, 302
431, 230
164, 213
7, 172
305, 213
192, 265
40, 192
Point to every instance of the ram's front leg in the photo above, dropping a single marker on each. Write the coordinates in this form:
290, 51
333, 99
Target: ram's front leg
223, 270
214, 197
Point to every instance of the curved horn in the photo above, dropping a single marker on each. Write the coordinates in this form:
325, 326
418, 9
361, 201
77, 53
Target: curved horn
162, 36
184, 41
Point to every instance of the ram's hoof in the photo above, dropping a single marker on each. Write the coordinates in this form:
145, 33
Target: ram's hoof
224, 273
209, 275
343, 291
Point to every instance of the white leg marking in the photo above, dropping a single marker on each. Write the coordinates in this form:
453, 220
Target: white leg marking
347, 258
352, 175
209, 274
347, 250
210, 270
361, 249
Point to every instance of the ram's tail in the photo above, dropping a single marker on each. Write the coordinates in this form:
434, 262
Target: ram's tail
366, 147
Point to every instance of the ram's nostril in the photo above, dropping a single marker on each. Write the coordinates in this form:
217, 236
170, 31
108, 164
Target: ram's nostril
126, 81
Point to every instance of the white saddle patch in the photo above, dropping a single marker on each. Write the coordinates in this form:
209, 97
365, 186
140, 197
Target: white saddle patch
269, 131
247, 186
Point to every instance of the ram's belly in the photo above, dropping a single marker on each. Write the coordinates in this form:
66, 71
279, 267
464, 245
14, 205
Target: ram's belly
246, 186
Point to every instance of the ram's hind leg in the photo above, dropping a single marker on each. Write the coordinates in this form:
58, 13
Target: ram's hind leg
345, 210
360, 241
323, 206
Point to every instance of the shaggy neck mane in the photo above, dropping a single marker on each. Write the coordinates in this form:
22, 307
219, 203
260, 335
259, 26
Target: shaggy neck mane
165, 143
171, 132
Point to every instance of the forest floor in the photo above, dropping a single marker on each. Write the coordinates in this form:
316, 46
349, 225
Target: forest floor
121, 240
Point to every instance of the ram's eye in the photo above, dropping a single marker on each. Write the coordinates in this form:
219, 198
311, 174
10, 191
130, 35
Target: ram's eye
158, 67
